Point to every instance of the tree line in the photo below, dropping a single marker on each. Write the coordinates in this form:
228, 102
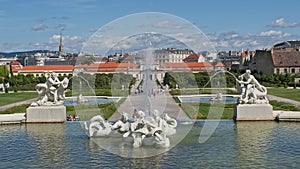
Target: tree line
221, 79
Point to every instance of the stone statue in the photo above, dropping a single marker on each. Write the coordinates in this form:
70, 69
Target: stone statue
141, 131
51, 92
252, 92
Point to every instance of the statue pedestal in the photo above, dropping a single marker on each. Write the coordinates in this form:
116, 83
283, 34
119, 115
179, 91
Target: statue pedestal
253, 112
46, 114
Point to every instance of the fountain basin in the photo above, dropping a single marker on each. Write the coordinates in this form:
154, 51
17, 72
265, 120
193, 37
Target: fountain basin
71, 101
229, 99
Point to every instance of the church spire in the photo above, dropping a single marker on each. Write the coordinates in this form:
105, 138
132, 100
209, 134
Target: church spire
61, 46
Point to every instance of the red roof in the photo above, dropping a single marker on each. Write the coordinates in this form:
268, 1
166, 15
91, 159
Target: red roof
108, 66
194, 66
244, 54
219, 65
15, 63
286, 58
45, 68
192, 56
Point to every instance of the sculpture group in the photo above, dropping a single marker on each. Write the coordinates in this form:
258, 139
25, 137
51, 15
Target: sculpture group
139, 131
252, 92
52, 92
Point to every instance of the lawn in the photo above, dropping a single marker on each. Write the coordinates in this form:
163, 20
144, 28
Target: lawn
8, 98
293, 94
17, 109
207, 111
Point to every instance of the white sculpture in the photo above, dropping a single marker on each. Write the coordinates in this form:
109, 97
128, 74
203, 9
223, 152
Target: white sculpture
141, 131
52, 91
98, 127
252, 92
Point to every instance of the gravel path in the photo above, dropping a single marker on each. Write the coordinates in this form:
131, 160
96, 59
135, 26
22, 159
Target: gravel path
285, 100
8, 106
161, 101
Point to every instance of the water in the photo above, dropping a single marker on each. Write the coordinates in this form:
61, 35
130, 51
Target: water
233, 145
71, 102
200, 99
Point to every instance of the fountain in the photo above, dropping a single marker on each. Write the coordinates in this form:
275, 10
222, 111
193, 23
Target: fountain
253, 103
80, 99
140, 131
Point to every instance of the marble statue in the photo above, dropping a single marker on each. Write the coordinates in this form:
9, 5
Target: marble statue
141, 131
252, 92
51, 92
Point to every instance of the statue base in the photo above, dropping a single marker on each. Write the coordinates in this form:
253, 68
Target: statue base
253, 112
46, 114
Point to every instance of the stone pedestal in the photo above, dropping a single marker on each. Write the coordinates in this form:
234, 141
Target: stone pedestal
253, 112
46, 114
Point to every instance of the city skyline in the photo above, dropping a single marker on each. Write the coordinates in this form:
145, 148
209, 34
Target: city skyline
229, 25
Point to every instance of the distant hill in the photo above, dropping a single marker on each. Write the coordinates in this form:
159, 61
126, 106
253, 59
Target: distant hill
13, 54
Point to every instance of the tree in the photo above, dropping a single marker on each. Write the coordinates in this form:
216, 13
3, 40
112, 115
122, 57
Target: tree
88, 60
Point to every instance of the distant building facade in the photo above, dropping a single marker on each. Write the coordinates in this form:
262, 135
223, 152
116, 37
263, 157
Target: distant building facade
282, 59
172, 55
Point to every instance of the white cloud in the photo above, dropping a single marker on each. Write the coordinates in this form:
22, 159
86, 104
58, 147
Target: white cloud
281, 23
168, 25
271, 33
225, 41
39, 27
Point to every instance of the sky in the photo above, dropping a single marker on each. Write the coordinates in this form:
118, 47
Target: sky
228, 25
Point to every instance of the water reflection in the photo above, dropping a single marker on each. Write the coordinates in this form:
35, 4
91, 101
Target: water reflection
101, 158
232, 145
253, 139
49, 141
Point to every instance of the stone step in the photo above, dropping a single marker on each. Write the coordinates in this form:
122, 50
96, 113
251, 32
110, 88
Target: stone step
12, 118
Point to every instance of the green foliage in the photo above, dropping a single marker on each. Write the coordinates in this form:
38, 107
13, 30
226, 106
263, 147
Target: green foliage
182, 79
275, 80
4, 71
198, 80
86, 60
188, 79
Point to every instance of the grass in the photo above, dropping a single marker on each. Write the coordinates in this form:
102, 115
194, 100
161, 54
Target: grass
8, 98
17, 109
208, 111
293, 94
86, 112
283, 106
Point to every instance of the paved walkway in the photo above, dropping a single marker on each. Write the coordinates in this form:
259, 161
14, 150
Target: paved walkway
285, 100
8, 106
148, 103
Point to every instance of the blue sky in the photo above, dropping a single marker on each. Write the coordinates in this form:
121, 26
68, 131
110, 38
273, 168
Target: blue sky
230, 24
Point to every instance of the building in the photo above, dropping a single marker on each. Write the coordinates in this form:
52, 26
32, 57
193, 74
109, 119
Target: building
230, 59
194, 58
287, 45
188, 66
171, 55
61, 46
40, 71
276, 61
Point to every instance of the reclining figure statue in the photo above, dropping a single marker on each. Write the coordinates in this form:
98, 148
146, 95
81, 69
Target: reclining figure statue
139, 131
